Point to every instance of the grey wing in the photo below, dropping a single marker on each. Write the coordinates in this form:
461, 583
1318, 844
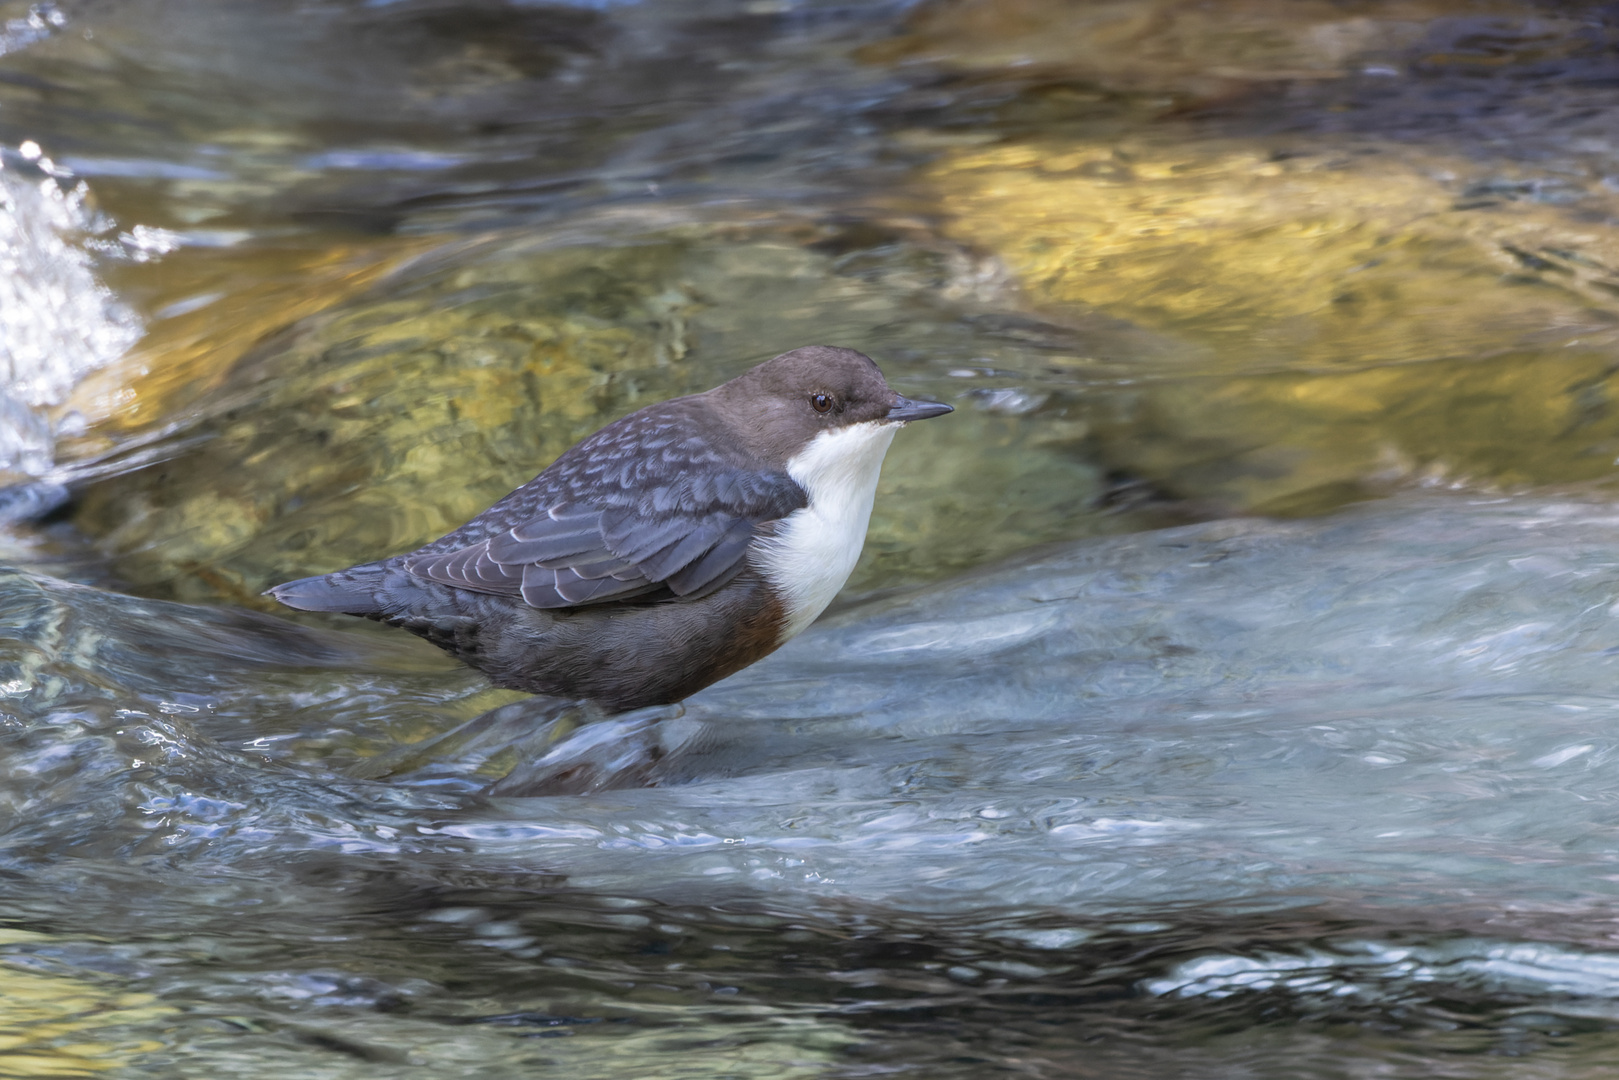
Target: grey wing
683, 539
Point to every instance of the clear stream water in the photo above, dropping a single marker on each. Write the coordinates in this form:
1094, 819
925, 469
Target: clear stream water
1226, 690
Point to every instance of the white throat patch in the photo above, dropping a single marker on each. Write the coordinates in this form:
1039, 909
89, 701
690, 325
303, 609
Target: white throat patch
815, 548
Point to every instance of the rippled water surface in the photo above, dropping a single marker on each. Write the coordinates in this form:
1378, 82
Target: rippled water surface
1226, 688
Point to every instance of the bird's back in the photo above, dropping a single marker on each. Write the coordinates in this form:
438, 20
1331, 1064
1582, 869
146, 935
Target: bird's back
648, 645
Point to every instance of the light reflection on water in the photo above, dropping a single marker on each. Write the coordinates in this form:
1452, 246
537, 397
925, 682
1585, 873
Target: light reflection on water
1282, 770
1329, 796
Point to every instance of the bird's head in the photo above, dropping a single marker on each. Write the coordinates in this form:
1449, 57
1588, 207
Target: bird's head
786, 403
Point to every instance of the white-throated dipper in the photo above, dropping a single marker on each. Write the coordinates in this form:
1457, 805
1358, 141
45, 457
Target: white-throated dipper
670, 549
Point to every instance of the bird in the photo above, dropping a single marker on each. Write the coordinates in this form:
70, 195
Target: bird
672, 548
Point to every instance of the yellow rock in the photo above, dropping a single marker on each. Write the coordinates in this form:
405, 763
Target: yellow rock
54, 1025
206, 307
1349, 319
1304, 262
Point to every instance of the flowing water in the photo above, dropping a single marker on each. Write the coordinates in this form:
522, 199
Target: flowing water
1225, 689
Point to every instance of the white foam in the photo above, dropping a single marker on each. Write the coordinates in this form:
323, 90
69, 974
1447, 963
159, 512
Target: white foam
58, 322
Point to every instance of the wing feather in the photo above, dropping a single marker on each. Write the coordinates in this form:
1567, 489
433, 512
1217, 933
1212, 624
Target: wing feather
681, 553
644, 509
556, 548
578, 591
469, 568
636, 539
718, 565
539, 588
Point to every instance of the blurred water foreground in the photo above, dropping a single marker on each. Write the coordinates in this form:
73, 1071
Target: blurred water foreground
1226, 689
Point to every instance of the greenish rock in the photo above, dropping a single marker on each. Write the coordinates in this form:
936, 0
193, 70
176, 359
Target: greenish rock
390, 419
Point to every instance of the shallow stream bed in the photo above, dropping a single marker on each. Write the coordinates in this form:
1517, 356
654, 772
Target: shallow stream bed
1226, 689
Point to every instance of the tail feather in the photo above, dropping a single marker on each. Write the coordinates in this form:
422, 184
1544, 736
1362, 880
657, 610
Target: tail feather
352, 592
387, 593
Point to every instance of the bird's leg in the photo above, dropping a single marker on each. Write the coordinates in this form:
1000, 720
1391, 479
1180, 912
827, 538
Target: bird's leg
472, 753
613, 752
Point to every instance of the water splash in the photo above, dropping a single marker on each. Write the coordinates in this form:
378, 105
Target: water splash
58, 322
38, 23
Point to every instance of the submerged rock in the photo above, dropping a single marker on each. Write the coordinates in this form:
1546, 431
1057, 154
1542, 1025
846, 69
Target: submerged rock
1357, 321
1233, 53
1380, 264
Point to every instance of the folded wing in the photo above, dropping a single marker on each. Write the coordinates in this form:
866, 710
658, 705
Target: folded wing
682, 538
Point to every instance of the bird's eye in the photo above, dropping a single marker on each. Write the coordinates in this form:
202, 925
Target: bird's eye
821, 402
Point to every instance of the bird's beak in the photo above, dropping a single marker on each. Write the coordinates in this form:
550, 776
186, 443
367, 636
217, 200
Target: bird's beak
906, 409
